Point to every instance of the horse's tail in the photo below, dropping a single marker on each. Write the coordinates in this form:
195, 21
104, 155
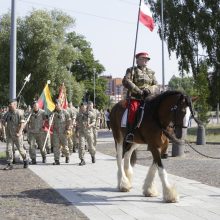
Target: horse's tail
133, 158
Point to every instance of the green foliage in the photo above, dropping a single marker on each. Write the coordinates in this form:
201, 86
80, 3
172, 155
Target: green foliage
202, 91
189, 25
47, 51
85, 66
101, 99
184, 84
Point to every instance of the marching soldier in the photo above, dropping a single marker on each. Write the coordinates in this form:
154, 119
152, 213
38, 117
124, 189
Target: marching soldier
96, 113
14, 121
85, 121
36, 133
61, 129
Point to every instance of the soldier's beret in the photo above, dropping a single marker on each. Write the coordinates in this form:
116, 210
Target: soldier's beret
143, 54
12, 100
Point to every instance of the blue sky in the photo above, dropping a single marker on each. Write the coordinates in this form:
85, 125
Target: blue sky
110, 26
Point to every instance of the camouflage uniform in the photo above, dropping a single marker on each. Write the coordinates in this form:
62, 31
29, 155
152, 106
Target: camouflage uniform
95, 128
72, 115
14, 121
61, 124
36, 134
83, 120
138, 80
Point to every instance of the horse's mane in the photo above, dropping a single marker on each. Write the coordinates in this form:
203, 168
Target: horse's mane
153, 102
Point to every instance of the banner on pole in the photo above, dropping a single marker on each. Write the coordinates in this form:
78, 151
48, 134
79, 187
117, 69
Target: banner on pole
145, 16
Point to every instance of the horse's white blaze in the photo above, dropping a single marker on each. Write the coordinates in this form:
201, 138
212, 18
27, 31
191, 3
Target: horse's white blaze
123, 182
149, 188
169, 192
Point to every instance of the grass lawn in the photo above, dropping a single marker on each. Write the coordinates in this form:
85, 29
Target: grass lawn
2, 155
212, 133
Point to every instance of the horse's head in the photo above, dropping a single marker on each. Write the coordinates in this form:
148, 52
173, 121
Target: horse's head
172, 111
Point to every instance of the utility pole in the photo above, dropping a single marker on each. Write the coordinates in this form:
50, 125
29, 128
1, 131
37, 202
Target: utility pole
162, 33
13, 45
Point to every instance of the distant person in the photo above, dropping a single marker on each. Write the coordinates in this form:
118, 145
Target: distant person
107, 113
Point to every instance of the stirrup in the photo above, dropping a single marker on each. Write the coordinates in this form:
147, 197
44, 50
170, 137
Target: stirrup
129, 138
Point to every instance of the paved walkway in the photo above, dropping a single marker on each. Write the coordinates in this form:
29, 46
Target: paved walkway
92, 189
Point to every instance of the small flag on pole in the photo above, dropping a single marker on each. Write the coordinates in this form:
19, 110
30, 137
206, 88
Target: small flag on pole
45, 101
62, 96
146, 17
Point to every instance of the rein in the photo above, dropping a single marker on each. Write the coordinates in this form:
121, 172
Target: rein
190, 145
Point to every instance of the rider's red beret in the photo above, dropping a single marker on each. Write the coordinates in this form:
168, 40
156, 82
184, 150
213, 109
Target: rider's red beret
143, 54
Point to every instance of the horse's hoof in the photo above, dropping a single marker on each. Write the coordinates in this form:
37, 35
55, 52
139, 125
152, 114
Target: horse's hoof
123, 189
171, 195
150, 194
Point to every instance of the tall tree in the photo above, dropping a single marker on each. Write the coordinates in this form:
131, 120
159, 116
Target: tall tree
189, 25
45, 49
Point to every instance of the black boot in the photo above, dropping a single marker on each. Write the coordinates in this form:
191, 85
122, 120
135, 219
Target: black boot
129, 138
9, 167
82, 162
25, 164
44, 159
67, 159
93, 159
33, 161
57, 162
14, 162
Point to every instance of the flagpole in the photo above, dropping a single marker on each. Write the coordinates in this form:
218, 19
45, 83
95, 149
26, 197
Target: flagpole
136, 36
48, 132
162, 33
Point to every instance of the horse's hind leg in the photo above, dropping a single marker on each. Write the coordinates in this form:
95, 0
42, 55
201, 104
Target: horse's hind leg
149, 188
169, 192
124, 184
127, 165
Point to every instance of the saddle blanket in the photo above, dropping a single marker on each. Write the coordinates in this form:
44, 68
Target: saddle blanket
124, 119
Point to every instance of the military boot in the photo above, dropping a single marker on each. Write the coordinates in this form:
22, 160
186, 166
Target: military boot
14, 162
33, 162
44, 159
25, 164
67, 159
82, 162
93, 159
9, 167
57, 162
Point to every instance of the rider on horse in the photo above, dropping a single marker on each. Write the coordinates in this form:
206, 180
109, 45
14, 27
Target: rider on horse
139, 81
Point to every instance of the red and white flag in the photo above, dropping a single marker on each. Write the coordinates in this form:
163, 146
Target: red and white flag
145, 16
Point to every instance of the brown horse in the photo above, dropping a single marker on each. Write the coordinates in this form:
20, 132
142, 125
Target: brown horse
162, 114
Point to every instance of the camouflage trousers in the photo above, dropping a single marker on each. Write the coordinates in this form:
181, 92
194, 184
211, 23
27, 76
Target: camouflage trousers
18, 141
58, 141
38, 138
86, 135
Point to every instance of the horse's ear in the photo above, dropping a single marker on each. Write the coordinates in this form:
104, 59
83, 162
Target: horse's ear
194, 98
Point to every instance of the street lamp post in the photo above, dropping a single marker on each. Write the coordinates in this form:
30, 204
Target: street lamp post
94, 88
13, 38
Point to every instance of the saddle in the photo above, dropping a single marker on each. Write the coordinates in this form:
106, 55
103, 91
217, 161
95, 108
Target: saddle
136, 113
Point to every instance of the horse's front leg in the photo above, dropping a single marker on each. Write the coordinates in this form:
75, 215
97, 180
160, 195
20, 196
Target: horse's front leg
124, 184
169, 192
149, 188
130, 157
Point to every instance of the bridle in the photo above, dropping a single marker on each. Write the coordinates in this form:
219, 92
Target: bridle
175, 112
